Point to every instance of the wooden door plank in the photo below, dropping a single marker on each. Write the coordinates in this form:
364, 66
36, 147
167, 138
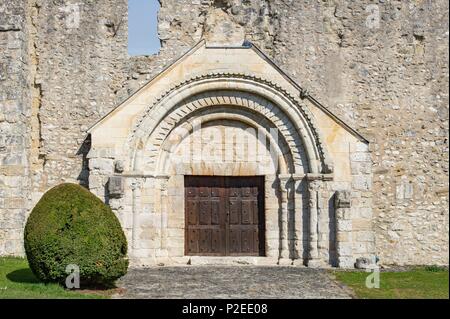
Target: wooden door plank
224, 216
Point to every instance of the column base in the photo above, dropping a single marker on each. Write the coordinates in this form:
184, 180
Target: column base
285, 262
298, 262
314, 263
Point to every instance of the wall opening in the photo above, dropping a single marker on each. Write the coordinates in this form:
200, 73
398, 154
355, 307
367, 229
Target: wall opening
143, 27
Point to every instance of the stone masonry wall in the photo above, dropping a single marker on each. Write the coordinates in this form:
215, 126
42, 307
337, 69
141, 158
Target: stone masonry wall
15, 112
382, 66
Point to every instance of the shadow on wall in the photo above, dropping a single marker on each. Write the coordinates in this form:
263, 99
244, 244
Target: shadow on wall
83, 177
305, 215
292, 217
332, 232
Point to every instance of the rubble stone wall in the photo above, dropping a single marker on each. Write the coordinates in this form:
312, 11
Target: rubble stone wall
382, 66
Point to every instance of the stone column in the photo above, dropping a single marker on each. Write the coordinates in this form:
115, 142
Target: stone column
164, 213
272, 217
136, 200
343, 229
284, 223
298, 214
314, 192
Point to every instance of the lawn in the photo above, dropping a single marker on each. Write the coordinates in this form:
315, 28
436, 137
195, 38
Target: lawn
416, 283
17, 281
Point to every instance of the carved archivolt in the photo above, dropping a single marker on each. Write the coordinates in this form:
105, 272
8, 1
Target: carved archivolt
280, 107
239, 103
279, 150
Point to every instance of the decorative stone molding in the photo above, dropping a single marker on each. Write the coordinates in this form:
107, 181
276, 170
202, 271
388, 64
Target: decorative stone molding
314, 187
297, 199
342, 200
119, 166
319, 177
286, 198
235, 81
304, 94
136, 186
292, 153
115, 186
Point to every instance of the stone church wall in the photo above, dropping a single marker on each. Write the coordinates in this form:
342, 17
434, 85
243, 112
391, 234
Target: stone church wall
15, 112
382, 66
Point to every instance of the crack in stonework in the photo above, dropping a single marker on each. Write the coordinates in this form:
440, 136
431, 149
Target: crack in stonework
38, 158
10, 29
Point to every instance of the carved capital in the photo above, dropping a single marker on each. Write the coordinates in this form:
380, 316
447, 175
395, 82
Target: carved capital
116, 186
119, 166
136, 184
314, 185
342, 199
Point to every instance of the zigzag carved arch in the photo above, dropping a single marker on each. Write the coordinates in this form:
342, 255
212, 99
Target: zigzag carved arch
267, 96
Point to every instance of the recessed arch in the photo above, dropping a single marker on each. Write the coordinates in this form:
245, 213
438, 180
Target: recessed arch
132, 148
278, 149
252, 93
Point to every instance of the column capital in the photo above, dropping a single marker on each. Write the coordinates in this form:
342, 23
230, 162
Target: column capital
298, 177
295, 177
342, 199
136, 184
284, 177
319, 177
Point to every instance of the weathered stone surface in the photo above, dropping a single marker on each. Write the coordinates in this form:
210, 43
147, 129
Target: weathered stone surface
15, 145
382, 67
364, 263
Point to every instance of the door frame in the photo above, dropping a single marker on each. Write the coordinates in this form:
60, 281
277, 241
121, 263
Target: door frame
260, 183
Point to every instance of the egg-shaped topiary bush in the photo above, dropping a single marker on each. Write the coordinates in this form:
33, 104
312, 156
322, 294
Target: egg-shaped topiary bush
71, 226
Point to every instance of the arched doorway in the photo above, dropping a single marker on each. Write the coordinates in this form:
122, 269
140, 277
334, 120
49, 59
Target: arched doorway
170, 140
252, 138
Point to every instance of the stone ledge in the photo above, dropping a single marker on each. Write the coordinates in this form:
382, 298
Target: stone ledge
238, 261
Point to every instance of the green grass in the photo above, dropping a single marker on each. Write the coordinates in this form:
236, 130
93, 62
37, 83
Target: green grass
17, 281
417, 283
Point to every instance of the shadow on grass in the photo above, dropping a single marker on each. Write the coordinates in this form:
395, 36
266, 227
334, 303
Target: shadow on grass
24, 275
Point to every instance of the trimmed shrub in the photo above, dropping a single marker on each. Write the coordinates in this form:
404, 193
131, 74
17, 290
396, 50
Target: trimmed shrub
70, 225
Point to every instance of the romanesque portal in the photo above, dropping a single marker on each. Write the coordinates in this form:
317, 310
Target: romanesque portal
222, 154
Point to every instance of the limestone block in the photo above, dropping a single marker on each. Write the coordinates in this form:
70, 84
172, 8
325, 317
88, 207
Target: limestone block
116, 185
362, 212
362, 182
404, 191
360, 248
344, 236
162, 253
361, 147
365, 236
362, 224
345, 249
361, 168
344, 225
346, 262
103, 165
176, 252
360, 157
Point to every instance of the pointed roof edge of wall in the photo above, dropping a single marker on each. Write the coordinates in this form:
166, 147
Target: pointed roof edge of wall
246, 45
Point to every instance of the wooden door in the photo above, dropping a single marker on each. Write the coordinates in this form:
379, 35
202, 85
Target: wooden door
224, 216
